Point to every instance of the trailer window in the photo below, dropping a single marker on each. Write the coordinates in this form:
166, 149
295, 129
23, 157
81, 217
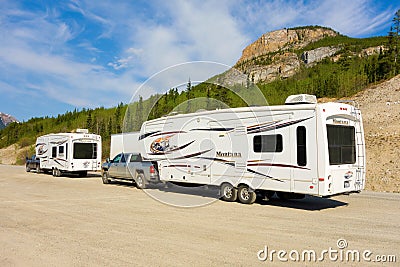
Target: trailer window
341, 144
268, 143
54, 152
301, 146
85, 150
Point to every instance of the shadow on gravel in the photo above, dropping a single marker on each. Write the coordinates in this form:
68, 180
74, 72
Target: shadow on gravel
310, 203
203, 191
74, 175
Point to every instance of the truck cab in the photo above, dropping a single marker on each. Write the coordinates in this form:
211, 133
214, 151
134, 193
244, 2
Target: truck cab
32, 163
130, 167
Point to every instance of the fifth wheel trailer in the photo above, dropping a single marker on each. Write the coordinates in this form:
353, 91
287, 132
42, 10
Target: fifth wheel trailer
78, 152
298, 148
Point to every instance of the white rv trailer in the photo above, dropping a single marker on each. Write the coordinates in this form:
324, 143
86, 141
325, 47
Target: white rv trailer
294, 149
124, 142
78, 152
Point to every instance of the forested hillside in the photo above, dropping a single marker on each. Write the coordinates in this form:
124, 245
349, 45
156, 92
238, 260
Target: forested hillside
350, 69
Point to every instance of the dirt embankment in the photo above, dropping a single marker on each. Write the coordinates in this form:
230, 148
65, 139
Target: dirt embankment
380, 106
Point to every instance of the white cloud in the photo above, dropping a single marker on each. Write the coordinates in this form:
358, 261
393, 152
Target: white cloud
66, 59
354, 18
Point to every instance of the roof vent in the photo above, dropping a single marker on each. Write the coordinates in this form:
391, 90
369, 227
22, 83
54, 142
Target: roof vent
301, 99
84, 131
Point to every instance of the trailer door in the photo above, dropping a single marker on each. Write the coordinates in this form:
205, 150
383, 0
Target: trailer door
304, 158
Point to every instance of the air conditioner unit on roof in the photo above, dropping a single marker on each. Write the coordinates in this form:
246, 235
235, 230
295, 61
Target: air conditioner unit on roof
301, 99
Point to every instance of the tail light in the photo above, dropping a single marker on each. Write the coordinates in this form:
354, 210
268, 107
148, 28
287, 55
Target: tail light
152, 169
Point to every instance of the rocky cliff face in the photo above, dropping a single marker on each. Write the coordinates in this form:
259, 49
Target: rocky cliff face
284, 39
273, 55
281, 53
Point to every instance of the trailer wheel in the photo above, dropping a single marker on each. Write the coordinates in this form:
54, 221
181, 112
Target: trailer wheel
56, 172
38, 170
228, 192
105, 177
28, 169
140, 182
246, 196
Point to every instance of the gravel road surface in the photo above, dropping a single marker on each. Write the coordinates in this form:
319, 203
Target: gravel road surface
71, 221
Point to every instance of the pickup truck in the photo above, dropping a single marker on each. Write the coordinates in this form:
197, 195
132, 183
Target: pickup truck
131, 167
32, 163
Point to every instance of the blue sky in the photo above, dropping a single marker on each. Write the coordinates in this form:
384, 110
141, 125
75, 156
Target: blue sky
59, 55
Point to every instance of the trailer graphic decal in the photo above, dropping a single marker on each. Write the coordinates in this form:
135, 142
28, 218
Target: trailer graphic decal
161, 146
277, 165
41, 149
269, 126
152, 134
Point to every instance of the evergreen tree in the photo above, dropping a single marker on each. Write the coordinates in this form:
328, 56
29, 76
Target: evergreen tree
89, 121
396, 37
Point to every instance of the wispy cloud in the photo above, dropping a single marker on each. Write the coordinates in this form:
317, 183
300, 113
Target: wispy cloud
97, 53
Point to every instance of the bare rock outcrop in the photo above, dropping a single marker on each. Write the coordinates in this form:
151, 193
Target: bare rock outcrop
283, 40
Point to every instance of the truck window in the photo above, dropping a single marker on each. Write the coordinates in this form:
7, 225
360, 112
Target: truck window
117, 158
268, 143
135, 158
123, 158
341, 144
301, 146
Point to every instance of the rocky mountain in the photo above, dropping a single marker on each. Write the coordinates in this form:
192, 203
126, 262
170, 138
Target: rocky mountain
6, 119
282, 53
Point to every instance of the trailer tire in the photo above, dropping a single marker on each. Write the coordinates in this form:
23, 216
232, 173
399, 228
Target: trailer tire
28, 169
105, 177
140, 181
228, 192
56, 172
245, 195
38, 170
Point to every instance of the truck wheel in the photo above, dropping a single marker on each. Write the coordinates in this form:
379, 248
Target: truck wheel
228, 192
140, 182
246, 196
105, 177
28, 169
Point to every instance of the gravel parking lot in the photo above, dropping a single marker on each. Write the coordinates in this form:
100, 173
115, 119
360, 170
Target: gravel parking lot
70, 221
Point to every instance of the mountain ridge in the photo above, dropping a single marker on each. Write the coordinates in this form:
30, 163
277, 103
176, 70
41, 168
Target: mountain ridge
6, 119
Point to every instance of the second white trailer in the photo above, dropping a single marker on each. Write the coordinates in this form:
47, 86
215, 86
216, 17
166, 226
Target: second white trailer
299, 148
78, 152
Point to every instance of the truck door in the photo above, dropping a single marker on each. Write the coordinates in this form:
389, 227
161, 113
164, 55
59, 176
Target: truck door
122, 168
113, 169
